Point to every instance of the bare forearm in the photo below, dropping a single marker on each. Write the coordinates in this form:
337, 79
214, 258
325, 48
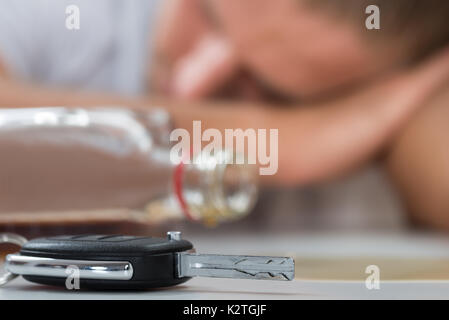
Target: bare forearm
18, 95
315, 142
324, 141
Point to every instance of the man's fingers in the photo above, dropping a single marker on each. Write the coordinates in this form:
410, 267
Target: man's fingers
205, 69
179, 28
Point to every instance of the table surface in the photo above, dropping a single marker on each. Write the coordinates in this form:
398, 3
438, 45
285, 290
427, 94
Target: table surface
305, 246
201, 288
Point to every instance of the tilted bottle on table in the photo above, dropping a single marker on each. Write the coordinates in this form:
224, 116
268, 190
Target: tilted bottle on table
107, 165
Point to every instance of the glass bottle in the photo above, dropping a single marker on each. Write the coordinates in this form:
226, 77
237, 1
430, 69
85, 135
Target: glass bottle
66, 166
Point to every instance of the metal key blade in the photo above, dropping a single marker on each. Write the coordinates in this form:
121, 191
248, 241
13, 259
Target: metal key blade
242, 267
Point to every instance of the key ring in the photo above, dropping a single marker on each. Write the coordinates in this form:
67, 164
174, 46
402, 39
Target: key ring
13, 239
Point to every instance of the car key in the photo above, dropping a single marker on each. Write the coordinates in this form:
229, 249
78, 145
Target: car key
133, 262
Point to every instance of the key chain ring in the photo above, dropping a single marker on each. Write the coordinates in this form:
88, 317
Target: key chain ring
12, 239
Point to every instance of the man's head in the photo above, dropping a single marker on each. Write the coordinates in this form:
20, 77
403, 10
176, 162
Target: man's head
296, 48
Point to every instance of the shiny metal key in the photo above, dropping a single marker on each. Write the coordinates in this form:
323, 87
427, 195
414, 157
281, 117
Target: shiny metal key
128, 262
239, 267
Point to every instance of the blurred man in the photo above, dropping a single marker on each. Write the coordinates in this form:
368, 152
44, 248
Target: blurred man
338, 93
301, 50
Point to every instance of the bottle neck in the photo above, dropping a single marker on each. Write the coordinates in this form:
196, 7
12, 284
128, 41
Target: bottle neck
213, 188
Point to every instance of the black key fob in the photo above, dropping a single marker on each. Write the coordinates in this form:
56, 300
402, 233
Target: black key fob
127, 262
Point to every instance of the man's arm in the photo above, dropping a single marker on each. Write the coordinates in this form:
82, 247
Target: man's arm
418, 163
14, 94
2, 71
315, 142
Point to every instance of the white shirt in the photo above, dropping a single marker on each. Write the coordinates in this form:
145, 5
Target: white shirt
110, 51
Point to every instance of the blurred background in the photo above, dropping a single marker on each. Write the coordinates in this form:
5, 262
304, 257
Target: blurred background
172, 54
